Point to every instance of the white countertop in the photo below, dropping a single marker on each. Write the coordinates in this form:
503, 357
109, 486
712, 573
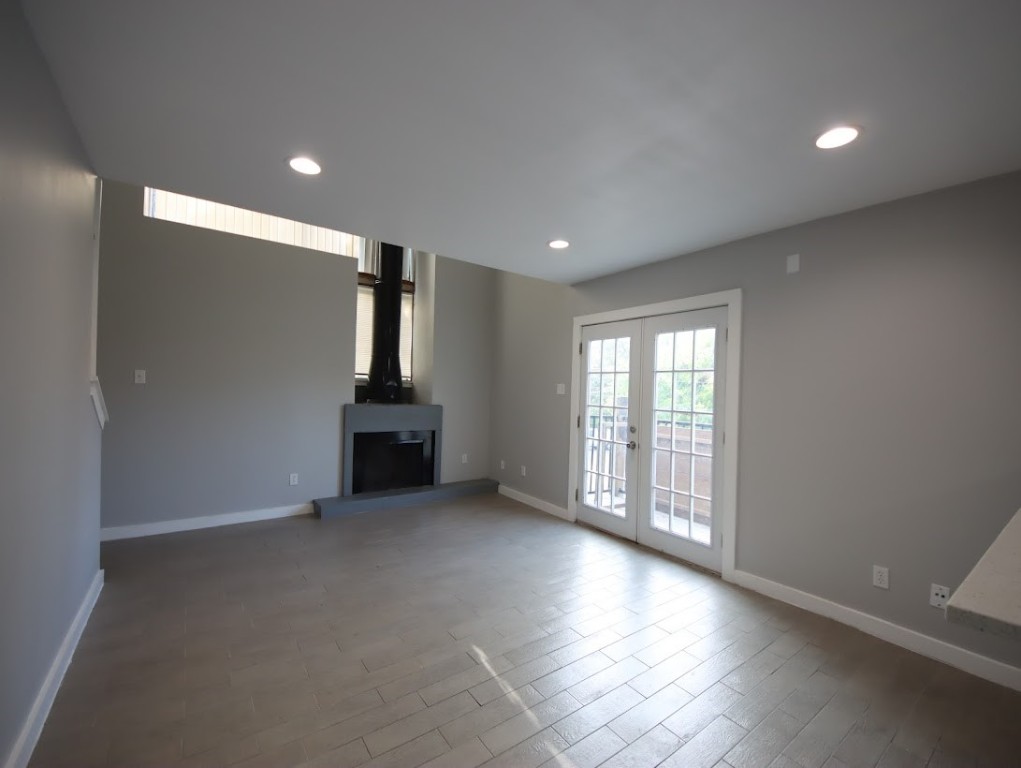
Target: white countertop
989, 599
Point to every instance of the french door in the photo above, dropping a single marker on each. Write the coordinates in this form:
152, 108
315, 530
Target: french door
650, 459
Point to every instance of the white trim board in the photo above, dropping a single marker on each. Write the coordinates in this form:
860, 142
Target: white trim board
28, 737
532, 501
196, 523
969, 661
731, 415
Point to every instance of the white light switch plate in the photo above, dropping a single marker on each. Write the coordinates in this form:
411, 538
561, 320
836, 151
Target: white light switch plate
139, 376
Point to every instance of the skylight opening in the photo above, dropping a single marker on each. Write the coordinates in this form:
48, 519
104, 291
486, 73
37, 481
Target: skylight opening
195, 212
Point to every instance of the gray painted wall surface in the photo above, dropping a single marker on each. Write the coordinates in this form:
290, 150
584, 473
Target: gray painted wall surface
49, 436
530, 421
249, 352
879, 418
462, 364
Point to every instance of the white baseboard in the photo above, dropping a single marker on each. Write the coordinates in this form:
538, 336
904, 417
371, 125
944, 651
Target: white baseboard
532, 501
195, 523
969, 661
28, 737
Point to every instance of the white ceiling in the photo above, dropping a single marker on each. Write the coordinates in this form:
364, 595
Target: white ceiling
637, 129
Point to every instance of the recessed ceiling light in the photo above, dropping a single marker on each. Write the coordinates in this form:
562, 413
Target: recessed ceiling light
837, 137
558, 244
305, 165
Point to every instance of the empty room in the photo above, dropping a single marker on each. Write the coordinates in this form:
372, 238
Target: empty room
544, 383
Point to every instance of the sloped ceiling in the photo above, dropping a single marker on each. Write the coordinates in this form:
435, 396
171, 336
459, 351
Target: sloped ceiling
637, 129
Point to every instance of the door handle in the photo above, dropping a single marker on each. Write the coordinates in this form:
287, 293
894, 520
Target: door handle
632, 445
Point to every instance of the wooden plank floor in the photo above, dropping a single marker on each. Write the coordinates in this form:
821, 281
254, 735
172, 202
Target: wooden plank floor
480, 632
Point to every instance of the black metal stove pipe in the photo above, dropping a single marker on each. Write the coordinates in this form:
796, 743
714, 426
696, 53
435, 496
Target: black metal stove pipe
385, 367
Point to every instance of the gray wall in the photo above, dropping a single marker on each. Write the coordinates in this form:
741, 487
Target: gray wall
879, 418
462, 364
249, 352
530, 421
49, 436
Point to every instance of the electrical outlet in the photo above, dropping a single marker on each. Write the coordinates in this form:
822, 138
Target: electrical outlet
293, 479
793, 263
464, 458
880, 576
522, 470
938, 596
503, 464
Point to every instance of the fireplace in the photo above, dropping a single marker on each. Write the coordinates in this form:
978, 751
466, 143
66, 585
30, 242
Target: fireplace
384, 461
387, 447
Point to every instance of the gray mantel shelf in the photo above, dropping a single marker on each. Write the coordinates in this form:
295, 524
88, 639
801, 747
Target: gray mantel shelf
989, 599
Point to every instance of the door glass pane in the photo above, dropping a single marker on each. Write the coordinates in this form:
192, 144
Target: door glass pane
701, 520
661, 470
705, 348
682, 472
623, 360
684, 399
703, 434
704, 391
663, 419
682, 391
609, 354
664, 390
661, 510
606, 421
664, 351
683, 350
679, 517
682, 432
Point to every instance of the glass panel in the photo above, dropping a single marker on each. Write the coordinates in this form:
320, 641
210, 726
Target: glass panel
664, 390
621, 433
682, 350
622, 389
661, 510
682, 472
662, 429
664, 351
679, 517
619, 460
605, 495
607, 396
701, 520
705, 348
592, 423
619, 498
682, 391
593, 388
609, 354
623, 354
704, 434
606, 424
704, 391
682, 432
661, 469
703, 466
595, 354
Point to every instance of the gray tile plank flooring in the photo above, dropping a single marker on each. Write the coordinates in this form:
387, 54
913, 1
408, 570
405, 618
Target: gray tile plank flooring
482, 633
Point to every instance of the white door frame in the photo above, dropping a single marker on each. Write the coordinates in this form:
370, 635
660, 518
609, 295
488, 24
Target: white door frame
732, 301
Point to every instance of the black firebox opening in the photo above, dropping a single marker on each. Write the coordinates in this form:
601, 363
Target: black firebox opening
387, 460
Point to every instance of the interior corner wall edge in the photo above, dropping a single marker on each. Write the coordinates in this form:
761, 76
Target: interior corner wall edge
49, 435
878, 397
248, 348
